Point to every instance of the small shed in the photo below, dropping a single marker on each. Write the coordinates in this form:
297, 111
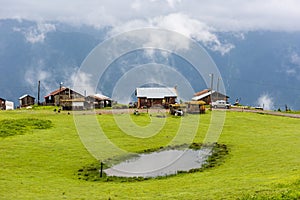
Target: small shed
162, 96
2, 104
192, 107
9, 105
26, 100
196, 107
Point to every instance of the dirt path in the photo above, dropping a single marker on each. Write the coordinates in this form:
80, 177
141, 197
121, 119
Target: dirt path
124, 111
266, 112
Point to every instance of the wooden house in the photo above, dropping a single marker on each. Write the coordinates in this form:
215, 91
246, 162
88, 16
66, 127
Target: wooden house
26, 100
155, 96
205, 95
2, 104
98, 101
65, 97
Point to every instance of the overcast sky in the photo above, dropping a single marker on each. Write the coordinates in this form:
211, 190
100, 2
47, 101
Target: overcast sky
219, 15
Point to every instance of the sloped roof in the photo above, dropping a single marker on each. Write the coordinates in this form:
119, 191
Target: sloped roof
55, 92
25, 95
203, 95
202, 92
100, 97
156, 93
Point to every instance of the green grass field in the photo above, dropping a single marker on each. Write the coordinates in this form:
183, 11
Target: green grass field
263, 160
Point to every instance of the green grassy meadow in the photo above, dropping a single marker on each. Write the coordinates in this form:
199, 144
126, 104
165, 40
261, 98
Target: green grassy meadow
263, 160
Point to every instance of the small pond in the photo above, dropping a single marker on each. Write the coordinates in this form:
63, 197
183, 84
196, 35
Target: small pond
161, 163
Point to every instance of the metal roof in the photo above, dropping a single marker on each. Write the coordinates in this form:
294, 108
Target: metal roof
202, 92
101, 97
156, 93
197, 98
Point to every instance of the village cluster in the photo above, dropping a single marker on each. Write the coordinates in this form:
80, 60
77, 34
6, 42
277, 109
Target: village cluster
147, 97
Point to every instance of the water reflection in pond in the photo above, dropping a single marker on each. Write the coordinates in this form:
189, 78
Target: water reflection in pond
160, 163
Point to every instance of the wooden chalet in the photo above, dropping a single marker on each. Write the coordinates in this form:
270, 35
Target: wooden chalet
158, 96
98, 101
26, 100
65, 97
206, 94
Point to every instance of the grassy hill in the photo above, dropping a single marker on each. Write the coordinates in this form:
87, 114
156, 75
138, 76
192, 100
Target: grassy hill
42, 163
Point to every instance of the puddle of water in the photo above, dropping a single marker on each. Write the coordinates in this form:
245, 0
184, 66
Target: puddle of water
160, 163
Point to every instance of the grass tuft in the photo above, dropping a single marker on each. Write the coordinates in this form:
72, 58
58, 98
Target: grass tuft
11, 127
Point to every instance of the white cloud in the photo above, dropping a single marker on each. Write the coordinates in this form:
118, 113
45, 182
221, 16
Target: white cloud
231, 15
37, 73
294, 70
295, 59
82, 83
38, 33
50, 80
292, 65
266, 101
291, 72
173, 3
181, 23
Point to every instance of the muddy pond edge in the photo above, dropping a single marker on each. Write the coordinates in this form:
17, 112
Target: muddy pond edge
90, 172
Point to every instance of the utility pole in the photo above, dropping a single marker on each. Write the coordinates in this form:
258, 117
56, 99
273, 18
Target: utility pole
218, 88
39, 91
211, 88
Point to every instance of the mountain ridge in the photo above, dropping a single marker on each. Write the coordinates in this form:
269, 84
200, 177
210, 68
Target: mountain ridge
261, 62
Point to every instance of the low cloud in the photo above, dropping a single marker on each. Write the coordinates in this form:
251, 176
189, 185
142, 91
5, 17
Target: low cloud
50, 80
291, 66
38, 33
231, 15
265, 101
295, 59
83, 83
37, 73
180, 23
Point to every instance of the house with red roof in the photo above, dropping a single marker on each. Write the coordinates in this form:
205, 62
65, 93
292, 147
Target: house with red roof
65, 97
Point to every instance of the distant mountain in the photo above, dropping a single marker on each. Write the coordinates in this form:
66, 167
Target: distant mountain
261, 64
